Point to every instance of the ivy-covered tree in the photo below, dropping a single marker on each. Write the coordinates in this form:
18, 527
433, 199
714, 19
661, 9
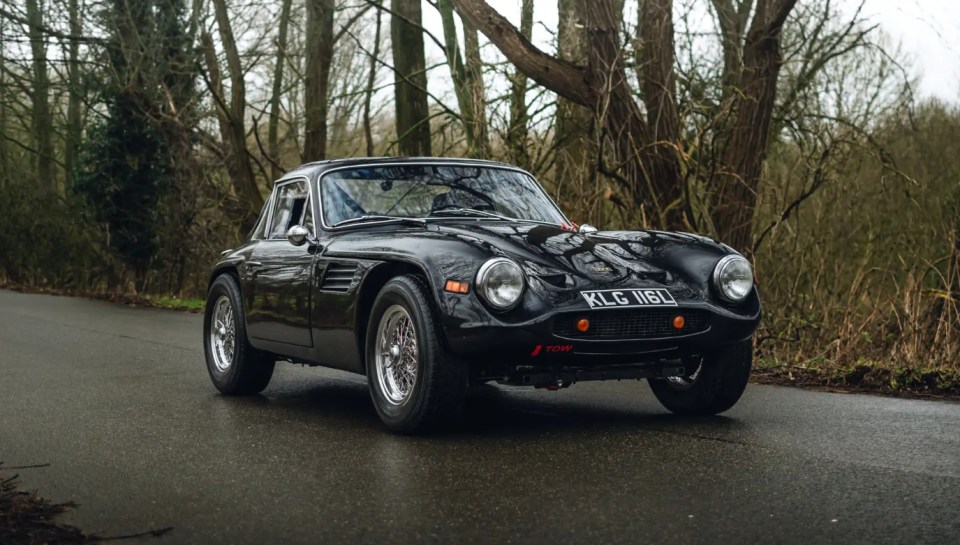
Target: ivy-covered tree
124, 170
142, 147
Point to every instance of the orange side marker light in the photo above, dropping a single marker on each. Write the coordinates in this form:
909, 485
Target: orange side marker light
678, 322
583, 325
457, 287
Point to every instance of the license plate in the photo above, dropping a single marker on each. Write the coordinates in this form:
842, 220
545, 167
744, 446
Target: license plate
653, 297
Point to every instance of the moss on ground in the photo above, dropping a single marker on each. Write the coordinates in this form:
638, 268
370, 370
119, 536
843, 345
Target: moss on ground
863, 376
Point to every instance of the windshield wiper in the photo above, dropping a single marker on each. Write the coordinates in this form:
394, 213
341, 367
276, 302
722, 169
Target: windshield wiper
378, 217
457, 212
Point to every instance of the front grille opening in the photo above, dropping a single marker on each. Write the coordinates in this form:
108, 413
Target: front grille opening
617, 324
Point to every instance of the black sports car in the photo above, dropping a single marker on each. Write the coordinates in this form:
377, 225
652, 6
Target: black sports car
428, 275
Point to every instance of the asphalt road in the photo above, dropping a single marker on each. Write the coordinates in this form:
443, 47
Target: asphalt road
118, 401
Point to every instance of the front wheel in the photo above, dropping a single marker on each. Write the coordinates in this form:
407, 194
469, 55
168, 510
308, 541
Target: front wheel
235, 367
713, 387
413, 384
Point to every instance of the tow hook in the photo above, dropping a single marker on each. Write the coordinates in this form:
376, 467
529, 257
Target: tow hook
554, 387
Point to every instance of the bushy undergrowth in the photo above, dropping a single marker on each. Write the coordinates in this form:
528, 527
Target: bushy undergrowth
868, 270
46, 241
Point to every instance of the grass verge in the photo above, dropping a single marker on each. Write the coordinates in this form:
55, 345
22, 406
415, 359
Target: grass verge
151, 301
863, 376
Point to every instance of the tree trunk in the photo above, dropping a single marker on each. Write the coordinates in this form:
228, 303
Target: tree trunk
40, 98
602, 86
476, 89
273, 137
573, 135
319, 55
74, 127
410, 79
519, 119
659, 96
732, 21
231, 116
4, 158
372, 80
649, 173
745, 151
467, 81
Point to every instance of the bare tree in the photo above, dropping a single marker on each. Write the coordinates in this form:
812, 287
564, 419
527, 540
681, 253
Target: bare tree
519, 117
467, 74
643, 143
4, 159
230, 115
273, 138
74, 122
575, 152
42, 121
751, 106
410, 78
372, 78
319, 55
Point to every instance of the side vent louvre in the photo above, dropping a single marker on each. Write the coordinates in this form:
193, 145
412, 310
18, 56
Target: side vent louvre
338, 277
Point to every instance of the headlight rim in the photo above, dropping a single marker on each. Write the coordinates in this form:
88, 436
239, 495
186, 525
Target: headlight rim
718, 270
481, 277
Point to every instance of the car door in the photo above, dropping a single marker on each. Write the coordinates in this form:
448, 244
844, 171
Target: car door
281, 273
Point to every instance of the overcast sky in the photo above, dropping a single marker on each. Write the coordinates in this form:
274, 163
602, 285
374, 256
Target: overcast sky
928, 31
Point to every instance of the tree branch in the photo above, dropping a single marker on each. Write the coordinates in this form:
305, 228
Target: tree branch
561, 77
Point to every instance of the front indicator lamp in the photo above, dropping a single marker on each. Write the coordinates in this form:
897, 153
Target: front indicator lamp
454, 286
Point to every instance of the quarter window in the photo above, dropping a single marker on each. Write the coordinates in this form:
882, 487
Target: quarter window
292, 201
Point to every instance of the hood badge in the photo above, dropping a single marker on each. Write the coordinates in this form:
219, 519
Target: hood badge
602, 268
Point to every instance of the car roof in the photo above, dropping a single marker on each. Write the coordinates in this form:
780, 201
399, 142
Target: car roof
315, 167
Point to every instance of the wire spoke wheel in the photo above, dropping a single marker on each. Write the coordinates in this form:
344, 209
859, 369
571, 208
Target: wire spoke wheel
223, 334
397, 355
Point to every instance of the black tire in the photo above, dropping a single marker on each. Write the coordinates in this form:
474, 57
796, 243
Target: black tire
723, 376
249, 370
440, 384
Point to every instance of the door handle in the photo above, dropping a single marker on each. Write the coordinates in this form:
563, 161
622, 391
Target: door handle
253, 264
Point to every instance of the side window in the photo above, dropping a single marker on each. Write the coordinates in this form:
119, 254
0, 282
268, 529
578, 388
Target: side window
291, 201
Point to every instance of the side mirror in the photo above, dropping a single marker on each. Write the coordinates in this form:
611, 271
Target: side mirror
587, 228
297, 235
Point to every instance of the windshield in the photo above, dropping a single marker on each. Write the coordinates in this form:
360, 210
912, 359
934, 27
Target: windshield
433, 191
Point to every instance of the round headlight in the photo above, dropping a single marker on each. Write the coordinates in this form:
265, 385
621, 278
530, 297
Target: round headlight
733, 278
500, 282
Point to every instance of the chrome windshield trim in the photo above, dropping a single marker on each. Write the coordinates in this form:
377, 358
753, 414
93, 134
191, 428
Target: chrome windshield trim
437, 162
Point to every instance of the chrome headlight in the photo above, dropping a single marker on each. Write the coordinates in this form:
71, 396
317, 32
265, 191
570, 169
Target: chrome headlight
733, 278
500, 282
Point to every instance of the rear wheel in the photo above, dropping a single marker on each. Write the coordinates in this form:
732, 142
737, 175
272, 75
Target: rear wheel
414, 385
235, 367
713, 387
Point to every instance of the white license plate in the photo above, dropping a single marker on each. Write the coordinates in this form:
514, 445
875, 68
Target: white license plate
652, 297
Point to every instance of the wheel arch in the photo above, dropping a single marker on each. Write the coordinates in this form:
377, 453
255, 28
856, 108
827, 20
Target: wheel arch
373, 281
225, 268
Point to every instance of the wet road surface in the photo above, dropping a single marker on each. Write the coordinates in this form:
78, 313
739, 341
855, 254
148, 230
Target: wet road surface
118, 401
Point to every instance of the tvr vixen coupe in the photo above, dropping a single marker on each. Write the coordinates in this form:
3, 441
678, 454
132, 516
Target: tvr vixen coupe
428, 275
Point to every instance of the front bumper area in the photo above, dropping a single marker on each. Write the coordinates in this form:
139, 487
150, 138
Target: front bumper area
630, 343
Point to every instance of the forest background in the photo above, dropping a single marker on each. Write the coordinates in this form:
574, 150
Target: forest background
140, 138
